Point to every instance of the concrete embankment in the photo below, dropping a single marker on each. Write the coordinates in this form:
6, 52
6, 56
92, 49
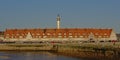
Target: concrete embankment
25, 47
77, 50
89, 50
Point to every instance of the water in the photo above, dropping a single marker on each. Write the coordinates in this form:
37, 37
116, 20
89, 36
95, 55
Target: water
33, 56
17, 55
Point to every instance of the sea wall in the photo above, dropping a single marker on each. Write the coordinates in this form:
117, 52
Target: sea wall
25, 47
88, 50
72, 49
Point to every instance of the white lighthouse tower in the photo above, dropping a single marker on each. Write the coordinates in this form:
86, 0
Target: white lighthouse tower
58, 21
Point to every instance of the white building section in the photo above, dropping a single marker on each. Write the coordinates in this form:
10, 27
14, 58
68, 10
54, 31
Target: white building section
29, 36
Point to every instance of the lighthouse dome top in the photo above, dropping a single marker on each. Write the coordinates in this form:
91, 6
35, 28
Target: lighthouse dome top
58, 15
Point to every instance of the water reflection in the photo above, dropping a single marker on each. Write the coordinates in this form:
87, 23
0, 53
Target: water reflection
33, 56
10, 55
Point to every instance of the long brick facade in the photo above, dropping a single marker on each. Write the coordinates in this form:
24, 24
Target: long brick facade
60, 34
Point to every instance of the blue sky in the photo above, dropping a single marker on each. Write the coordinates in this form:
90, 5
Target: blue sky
74, 13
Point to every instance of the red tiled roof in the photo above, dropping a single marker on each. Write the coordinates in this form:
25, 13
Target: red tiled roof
74, 31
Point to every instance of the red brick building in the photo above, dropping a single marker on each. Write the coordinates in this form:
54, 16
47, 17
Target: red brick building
60, 34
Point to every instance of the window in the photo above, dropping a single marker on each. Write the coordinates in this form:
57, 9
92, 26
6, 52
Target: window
105, 34
11, 36
33, 34
53, 33
75, 36
59, 36
99, 36
75, 33
38, 34
7, 37
44, 36
59, 33
65, 36
7, 34
21, 36
17, 34
48, 33
70, 33
81, 36
70, 36
43, 33
84, 34
64, 33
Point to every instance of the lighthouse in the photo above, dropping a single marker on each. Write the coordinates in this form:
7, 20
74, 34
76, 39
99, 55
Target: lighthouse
58, 21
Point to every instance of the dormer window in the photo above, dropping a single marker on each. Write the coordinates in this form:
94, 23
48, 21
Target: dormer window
105, 34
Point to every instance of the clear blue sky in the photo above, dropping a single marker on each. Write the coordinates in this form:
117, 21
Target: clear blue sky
74, 13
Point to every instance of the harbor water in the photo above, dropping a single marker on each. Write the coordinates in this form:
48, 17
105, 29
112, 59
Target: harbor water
40, 55
10, 55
